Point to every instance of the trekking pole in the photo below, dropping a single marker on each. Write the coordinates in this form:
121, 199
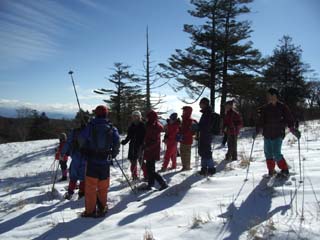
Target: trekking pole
75, 91
122, 154
55, 177
246, 179
297, 127
125, 176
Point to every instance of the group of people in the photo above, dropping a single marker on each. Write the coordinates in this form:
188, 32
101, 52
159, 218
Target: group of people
92, 146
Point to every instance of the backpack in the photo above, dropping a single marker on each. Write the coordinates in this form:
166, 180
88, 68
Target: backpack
215, 124
100, 140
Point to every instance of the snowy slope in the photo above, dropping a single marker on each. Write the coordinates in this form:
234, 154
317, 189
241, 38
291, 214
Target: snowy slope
224, 206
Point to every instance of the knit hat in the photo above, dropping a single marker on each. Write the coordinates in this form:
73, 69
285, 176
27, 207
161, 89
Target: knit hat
101, 111
230, 102
273, 91
136, 113
205, 101
63, 137
173, 116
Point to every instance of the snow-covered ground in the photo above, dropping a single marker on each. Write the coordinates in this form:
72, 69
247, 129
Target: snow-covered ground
224, 206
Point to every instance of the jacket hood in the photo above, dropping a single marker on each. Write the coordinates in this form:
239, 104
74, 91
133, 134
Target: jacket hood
187, 112
152, 116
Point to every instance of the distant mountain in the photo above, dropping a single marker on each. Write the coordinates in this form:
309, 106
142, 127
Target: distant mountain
12, 113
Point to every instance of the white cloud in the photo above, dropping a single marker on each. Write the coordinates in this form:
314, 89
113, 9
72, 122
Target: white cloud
65, 108
33, 30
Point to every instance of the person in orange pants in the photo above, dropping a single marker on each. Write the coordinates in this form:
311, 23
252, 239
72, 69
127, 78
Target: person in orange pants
101, 146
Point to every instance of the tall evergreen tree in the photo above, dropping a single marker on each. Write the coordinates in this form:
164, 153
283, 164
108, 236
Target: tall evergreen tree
150, 80
286, 72
217, 51
123, 93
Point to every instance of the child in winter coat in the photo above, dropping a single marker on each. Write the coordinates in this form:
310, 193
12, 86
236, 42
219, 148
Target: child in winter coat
78, 164
152, 150
273, 117
101, 145
136, 134
232, 124
171, 131
185, 136
62, 158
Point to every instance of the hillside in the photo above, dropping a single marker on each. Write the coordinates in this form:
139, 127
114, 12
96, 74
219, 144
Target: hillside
224, 206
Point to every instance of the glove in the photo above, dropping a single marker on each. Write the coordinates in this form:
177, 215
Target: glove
194, 127
296, 133
179, 137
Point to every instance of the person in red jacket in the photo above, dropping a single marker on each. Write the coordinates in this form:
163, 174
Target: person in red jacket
171, 129
231, 125
62, 158
152, 150
185, 137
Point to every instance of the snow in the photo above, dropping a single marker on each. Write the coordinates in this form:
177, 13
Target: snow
224, 206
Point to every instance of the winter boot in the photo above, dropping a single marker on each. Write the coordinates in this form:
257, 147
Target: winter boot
88, 215
271, 173
163, 186
285, 173
163, 169
211, 171
68, 195
101, 212
80, 195
203, 171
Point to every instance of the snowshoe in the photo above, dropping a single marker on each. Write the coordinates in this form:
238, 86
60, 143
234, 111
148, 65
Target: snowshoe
101, 212
211, 171
164, 186
80, 195
67, 195
202, 172
88, 215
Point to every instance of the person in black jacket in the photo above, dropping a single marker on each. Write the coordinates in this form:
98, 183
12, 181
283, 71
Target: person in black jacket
135, 135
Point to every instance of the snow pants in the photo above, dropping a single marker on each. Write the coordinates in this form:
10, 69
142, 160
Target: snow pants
232, 153
97, 183
185, 154
171, 153
64, 167
272, 151
153, 175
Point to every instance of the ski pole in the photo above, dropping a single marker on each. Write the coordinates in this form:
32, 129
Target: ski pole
125, 176
75, 91
297, 127
300, 181
55, 177
122, 154
246, 179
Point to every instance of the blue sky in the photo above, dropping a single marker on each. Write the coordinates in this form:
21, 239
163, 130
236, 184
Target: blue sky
40, 41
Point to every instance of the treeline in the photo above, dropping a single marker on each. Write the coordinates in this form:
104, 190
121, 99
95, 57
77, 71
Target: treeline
32, 125
220, 60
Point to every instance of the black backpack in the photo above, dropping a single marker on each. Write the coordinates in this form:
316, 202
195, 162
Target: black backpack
215, 123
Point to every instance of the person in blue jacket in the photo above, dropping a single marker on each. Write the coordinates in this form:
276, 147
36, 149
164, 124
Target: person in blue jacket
78, 163
101, 146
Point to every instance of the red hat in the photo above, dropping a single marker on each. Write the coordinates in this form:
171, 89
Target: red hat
101, 111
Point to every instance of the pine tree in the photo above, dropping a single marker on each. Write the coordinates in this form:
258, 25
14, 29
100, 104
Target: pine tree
217, 51
286, 72
122, 98
150, 80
